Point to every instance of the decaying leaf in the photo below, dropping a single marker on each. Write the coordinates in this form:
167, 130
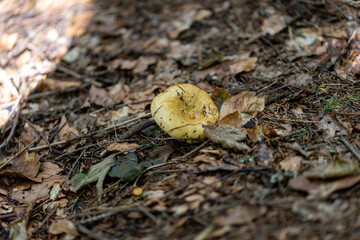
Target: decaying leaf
331, 127
322, 188
97, 173
228, 137
336, 168
18, 230
322, 210
241, 214
219, 96
123, 166
244, 102
128, 169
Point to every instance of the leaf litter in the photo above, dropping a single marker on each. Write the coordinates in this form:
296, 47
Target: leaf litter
81, 157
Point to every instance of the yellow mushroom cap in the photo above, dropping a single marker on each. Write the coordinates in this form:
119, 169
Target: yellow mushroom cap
183, 109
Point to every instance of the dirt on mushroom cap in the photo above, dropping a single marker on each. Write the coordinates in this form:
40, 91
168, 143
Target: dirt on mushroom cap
183, 109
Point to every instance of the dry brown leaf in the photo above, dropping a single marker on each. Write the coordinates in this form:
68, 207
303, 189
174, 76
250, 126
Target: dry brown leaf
67, 132
25, 165
122, 147
37, 191
143, 63
228, 137
292, 163
245, 65
235, 119
47, 169
244, 102
273, 24
128, 64
331, 127
241, 214
256, 133
321, 187
100, 97
63, 226
350, 64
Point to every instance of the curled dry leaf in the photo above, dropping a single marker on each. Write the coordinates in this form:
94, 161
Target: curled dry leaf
228, 137
235, 119
244, 102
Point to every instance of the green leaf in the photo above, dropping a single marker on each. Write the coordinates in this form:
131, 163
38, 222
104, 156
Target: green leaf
131, 173
123, 165
97, 173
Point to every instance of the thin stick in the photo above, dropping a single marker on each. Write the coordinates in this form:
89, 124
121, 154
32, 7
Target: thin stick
89, 233
18, 153
352, 148
93, 133
16, 120
44, 221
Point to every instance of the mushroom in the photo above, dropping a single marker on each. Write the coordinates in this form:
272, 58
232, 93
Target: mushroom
182, 111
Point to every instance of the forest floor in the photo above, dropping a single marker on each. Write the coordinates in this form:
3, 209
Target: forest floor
82, 158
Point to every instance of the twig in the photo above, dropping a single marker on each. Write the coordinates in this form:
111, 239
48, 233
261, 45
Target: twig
352, 148
137, 128
173, 161
7, 140
195, 150
16, 120
90, 134
78, 76
18, 153
340, 77
44, 221
351, 3
89, 233
290, 120
152, 167
72, 168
